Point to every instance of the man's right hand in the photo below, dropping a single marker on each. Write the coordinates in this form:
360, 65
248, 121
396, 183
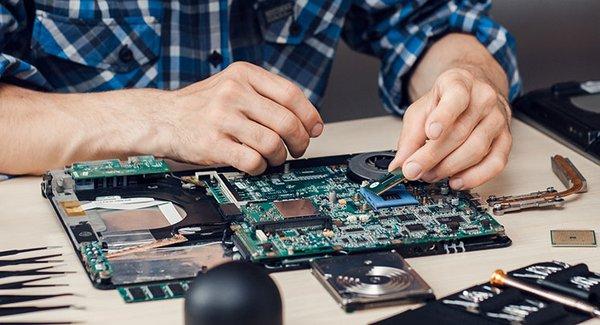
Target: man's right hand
243, 116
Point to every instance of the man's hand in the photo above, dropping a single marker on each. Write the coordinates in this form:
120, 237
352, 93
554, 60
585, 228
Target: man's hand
243, 116
459, 129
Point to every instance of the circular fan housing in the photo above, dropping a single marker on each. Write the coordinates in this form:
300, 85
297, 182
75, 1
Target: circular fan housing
369, 166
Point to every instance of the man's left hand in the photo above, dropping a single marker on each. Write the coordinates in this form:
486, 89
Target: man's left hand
459, 129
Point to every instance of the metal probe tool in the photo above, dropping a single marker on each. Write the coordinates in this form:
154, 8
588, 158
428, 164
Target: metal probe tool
500, 278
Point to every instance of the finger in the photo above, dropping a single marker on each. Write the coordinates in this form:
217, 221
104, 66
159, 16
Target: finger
284, 92
472, 151
240, 156
430, 154
261, 139
489, 167
454, 91
283, 122
412, 136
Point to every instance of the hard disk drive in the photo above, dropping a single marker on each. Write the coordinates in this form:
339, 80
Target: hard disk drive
371, 280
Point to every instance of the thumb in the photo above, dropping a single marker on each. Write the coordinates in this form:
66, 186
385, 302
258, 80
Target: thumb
412, 136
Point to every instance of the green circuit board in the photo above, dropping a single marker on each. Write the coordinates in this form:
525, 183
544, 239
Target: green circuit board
151, 292
318, 210
139, 165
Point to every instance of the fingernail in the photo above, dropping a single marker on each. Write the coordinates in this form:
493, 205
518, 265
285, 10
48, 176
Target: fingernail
316, 130
435, 129
412, 170
457, 183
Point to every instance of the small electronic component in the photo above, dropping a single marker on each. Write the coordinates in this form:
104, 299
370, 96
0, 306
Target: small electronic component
568, 174
386, 183
397, 196
573, 238
231, 212
96, 263
370, 280
287, 214
161, 291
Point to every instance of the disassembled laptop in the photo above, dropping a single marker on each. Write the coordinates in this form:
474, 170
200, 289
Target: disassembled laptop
147, 231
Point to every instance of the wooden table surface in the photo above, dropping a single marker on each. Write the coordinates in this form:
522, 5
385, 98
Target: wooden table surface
27, 220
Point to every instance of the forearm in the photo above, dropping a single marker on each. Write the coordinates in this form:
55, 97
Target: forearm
456, 51
40, 130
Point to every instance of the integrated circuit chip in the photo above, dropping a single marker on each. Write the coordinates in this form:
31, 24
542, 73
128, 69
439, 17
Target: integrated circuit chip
450, 219
397, 196
289, 214
574, 238
415, 227
176, 289
156, 291
137, 293
295, 208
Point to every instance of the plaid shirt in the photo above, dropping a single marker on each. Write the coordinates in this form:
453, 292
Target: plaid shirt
86, 45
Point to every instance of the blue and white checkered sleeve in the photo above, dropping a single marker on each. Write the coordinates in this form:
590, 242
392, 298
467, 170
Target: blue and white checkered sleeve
399, 32
13, 20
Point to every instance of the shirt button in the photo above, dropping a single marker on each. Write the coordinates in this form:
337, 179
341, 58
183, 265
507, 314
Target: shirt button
295, 28
215, 58
125, 54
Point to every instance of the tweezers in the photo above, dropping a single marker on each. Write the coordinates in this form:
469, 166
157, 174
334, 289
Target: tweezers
38, 271
24, 284
12, 299
39, 323
31, 260
7, 311
19, 251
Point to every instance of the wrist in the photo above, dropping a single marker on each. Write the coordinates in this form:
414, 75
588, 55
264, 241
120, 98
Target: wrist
117, 124
151, 122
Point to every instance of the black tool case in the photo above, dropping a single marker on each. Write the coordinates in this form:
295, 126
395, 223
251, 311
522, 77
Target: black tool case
446, 310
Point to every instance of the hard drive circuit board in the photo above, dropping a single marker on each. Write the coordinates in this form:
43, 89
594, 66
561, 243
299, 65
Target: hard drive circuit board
319, 210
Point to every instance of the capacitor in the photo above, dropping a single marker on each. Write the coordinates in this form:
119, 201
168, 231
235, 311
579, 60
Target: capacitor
342, 202
332, 196
454, 201
364, 207
328, 233
351, 218
444, 190
363, 217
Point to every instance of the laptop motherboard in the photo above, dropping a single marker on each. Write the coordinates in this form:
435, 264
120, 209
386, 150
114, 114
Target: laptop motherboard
146, 230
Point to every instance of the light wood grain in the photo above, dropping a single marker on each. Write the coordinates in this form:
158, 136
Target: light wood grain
27, 220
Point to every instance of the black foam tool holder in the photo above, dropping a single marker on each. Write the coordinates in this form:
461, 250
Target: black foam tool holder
497, 301
561, 281
507, 297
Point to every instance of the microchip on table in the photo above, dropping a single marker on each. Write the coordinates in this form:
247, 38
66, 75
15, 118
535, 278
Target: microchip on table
573, 238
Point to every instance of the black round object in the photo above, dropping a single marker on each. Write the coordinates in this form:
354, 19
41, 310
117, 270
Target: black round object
369, 166
233, 293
